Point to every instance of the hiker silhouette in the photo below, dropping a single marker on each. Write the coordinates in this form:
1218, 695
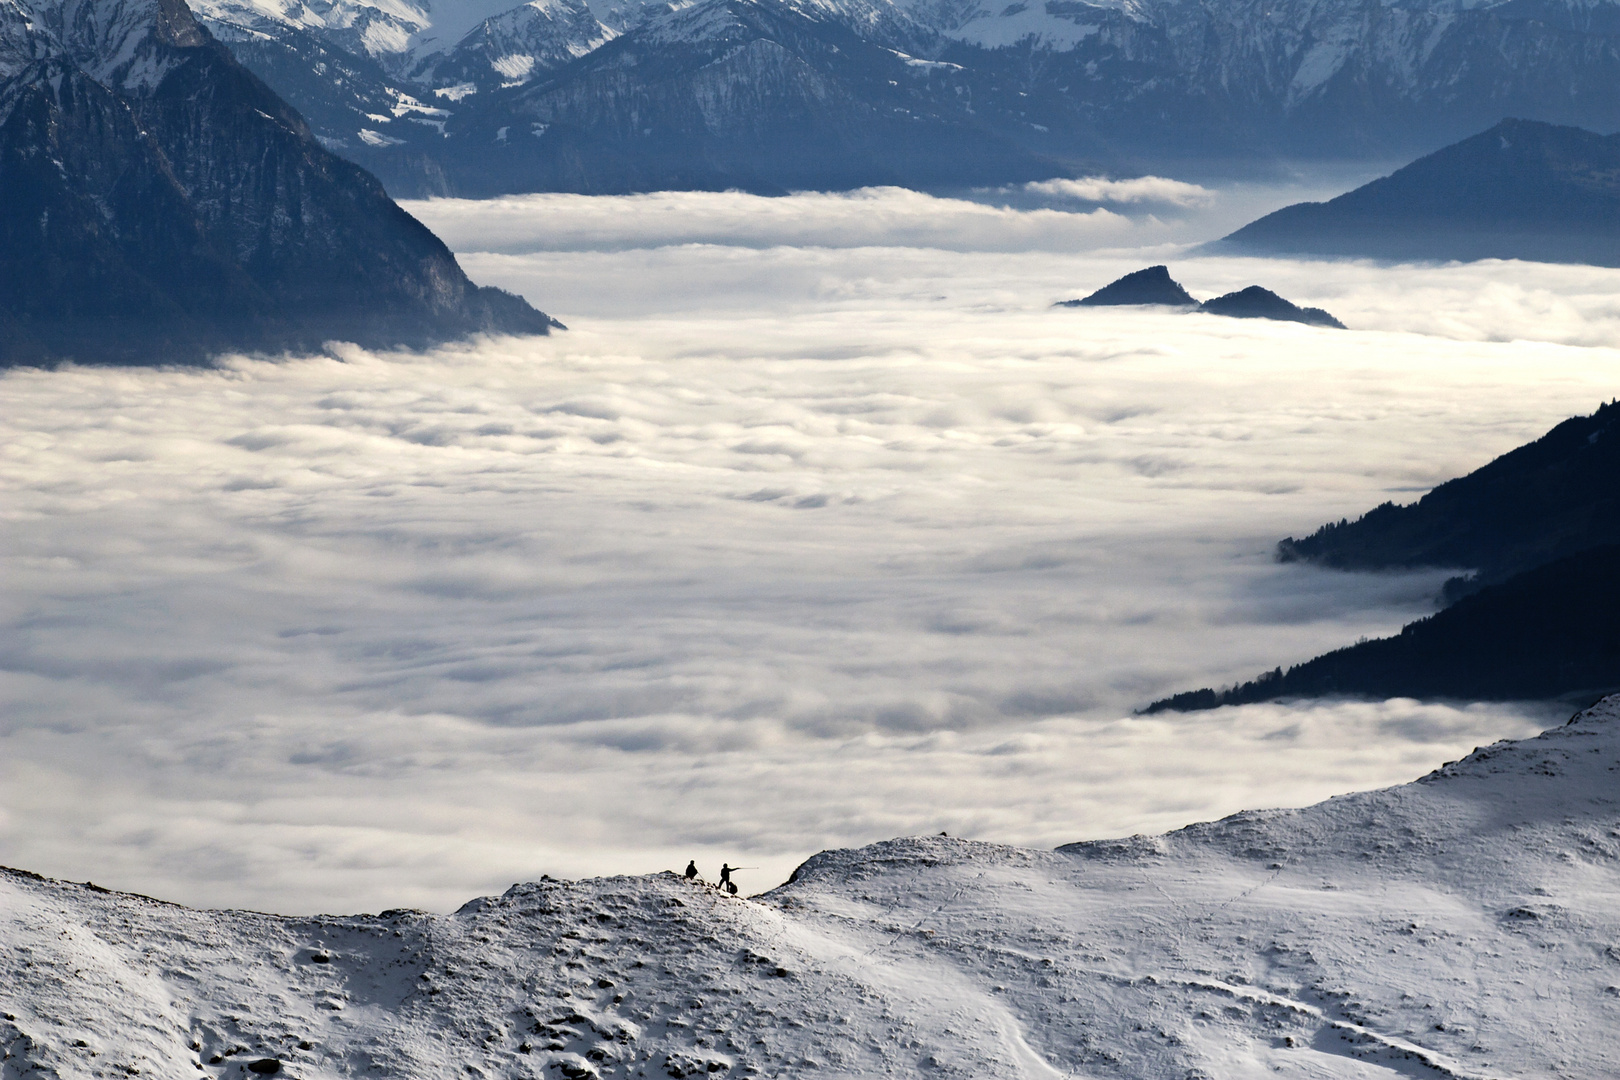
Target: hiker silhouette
691, 870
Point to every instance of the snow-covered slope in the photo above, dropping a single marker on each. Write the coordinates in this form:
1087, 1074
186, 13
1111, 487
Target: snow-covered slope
1466, 925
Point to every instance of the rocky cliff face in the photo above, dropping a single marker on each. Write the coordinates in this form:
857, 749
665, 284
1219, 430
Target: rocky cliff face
158, 203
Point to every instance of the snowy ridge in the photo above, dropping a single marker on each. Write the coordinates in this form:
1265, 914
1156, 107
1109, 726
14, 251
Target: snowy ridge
517, 45
378, 28
1466, 925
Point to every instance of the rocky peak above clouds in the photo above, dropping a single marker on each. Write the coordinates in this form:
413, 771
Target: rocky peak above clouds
158, 203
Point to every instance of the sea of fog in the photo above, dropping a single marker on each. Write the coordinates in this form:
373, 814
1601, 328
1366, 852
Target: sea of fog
819, 525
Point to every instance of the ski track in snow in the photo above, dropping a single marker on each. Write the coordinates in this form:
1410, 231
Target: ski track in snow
1465, 925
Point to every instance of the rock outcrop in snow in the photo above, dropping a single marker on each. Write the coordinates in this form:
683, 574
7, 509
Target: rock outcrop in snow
1466, 925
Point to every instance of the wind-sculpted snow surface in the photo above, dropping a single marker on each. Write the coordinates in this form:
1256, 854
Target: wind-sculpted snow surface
1466, 925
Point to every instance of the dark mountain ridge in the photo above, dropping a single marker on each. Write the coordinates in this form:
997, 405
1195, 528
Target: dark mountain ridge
1551, 632
1152, 286
159, 204
1255, 302
1540, 617
760, 96
1547, 499
1521, 190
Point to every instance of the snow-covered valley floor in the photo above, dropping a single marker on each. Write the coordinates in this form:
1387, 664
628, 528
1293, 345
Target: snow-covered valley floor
1466, 924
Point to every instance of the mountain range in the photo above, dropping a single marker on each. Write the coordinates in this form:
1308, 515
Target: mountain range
159, 203
1461, 926
772, 95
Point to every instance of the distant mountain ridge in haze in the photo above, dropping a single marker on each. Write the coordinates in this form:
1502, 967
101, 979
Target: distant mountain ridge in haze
765, 97
158, 203
1522, 190
467, 97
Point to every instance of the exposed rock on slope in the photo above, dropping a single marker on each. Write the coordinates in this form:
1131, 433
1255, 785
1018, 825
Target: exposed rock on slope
1521, 190
1153, 285
158, 203
515, 46
1257, 303
1460, 926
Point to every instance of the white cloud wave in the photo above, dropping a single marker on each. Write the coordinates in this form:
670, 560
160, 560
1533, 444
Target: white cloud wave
780, 547
1140, 212
870, 217
1141, 189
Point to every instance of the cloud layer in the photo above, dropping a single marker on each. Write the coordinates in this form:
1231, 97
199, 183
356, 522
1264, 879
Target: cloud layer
779, 547
1144, 189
